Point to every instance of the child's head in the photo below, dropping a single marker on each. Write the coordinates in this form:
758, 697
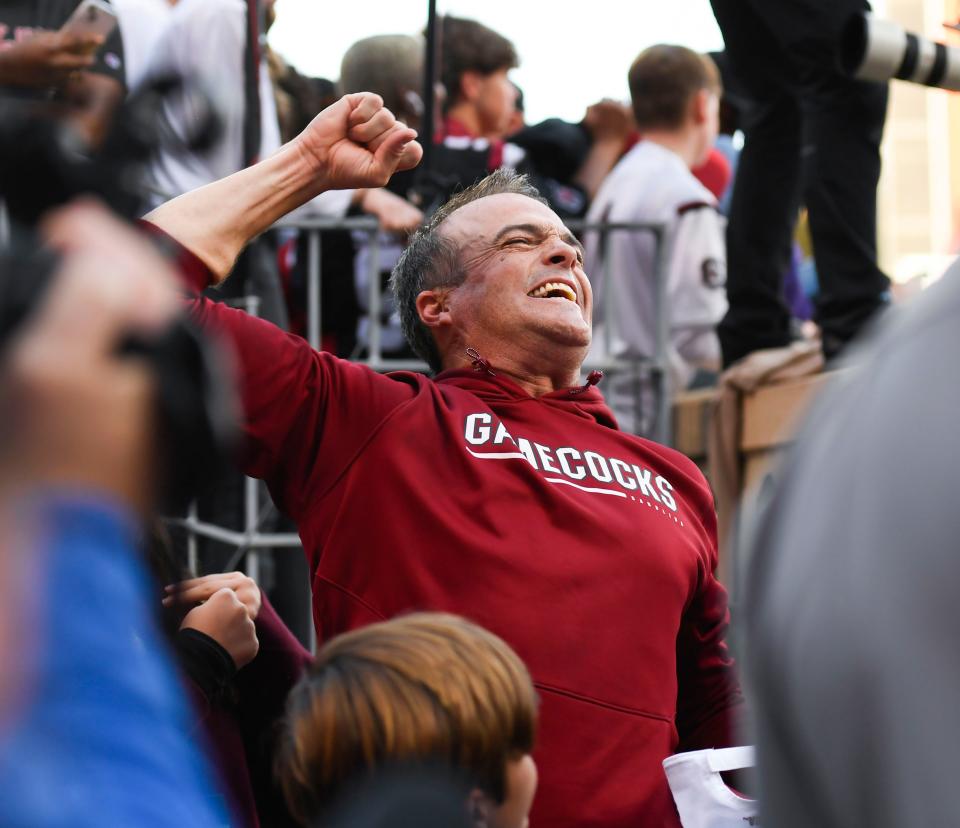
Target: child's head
429, 689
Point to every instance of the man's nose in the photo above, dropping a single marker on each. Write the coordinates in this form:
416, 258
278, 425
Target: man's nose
560, 252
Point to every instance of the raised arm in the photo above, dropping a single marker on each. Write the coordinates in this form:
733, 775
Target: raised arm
298, 404
354, 143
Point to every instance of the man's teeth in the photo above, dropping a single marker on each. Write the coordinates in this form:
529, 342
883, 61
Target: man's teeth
554, 289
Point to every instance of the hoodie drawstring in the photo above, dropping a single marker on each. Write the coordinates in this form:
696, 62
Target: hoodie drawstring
479, 363
592, 379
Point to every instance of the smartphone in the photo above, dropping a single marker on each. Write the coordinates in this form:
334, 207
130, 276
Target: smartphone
91, 17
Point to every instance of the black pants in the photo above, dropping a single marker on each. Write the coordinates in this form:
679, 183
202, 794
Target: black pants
812, 136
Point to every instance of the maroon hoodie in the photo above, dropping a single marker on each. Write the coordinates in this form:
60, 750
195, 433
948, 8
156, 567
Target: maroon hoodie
591, 551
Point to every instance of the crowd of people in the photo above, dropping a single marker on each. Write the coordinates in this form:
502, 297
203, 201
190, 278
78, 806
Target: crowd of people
514, 592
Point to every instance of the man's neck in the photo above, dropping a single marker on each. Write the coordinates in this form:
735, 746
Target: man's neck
537, 386
466, 114
682, 143
535, 383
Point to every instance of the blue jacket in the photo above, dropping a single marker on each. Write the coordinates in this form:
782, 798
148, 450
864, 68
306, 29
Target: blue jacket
102, 740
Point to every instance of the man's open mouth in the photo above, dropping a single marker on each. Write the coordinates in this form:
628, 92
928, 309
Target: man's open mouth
554, 290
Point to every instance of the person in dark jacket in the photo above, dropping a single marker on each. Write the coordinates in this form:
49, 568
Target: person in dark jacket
812, 136
240, 661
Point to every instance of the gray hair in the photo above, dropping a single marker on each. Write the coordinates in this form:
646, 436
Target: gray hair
432, 260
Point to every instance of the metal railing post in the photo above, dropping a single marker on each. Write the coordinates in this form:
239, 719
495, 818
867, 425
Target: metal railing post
193, 553
608, 305
4, 223
375, 299
662, 426
251, 491
313, 288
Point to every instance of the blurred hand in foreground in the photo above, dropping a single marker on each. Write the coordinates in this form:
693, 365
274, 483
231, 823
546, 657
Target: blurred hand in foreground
76, 414
47, 58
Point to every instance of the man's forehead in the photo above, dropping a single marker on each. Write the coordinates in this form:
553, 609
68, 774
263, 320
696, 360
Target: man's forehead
487, 215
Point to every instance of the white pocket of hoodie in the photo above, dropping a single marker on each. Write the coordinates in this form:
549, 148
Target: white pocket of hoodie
703, 799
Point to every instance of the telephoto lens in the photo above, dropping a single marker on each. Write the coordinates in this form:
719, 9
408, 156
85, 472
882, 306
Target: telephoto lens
874, 49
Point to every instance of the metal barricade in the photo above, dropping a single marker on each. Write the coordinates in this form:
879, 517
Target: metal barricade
657, 363
4, 224
250, 540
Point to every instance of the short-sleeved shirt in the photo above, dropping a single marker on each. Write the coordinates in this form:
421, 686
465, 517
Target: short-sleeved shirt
19, 19
205, 42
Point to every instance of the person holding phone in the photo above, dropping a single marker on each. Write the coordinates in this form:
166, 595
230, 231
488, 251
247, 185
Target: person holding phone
54, 48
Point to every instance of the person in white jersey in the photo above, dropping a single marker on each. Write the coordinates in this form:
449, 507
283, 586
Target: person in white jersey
142, 23
205, 42
675, 96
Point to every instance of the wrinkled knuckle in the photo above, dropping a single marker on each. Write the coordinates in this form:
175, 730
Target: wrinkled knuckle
226, 595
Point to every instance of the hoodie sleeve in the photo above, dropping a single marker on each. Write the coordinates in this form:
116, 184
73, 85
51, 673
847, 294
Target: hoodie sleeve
709, 700
305, 412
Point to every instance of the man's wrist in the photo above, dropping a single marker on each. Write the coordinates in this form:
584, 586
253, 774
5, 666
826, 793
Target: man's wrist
308, 167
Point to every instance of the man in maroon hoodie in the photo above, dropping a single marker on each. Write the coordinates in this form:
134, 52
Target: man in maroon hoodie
501, 488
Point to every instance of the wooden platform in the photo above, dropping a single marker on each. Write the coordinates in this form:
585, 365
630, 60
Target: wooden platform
769, 418
692, 411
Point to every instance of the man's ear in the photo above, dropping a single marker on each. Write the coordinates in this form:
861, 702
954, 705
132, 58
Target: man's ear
479, 809
700, 106
470, 85
432, 307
